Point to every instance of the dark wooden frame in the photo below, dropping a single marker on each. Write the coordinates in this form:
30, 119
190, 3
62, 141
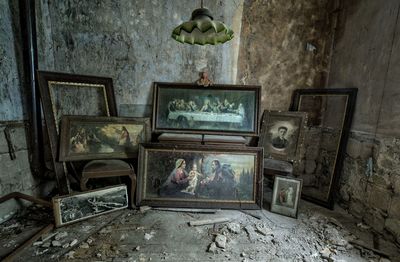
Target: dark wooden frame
57, 210
297, 196
190, 86
299, 143
67, 121
351, 94
52, 128
256, 202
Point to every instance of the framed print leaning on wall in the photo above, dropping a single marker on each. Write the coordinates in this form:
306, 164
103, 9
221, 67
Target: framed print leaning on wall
217, 109
67, 94
286, 196
282, 134
200, 176
88, 137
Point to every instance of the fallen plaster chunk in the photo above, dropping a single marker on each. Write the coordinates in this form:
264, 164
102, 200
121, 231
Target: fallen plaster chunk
325, 253
263, 230
252, 234
37, 243
46, 244
56, 243
70, 255
66, 245
234, 228
38, 253
208, 221
73, 243
61, 235
220, 241
89, 240
84, 245
144, 209
137, 248
212, 248
148, 236
363, 226
243, 254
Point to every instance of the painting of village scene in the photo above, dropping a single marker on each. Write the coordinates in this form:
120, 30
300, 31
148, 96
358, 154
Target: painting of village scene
206, 110
193, 175
98, 137
84, 205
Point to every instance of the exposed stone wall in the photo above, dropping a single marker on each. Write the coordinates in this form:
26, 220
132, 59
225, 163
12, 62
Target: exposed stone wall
273, 47
131, 42
366, 56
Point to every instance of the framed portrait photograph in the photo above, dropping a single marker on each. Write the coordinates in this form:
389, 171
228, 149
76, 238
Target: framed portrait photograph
198, 176
70, 94
286, 196
216, 109
80, 206
282, 134
88, 138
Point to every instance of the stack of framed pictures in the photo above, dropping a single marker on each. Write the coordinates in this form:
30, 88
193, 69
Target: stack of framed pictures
185, 171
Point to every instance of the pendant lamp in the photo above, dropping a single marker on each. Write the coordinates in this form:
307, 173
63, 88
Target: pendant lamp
202, 29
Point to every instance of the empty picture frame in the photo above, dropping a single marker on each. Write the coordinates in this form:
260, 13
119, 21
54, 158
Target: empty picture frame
286, 196
89, 138
282, 134
80, 206
330, 113
217, 109
69, 94
198, 176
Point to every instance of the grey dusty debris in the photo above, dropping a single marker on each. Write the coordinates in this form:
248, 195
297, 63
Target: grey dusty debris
98, 255
84, 245
148, 236
212, 247
252, 234
70, 255
46, 244
325, 253
234, 227
220, 241
89, 240
66, 245
61, 235
144, 209
243, 254
73, 243
137, 248
37, 243
56, 243
263, 230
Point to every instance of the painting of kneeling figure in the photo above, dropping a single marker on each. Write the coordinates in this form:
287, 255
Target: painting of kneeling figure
199, 176
79, 206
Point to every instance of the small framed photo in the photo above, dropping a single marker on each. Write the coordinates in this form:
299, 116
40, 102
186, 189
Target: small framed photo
282, 134
216, 109
200, 176
80, 206
89, 138
286, 196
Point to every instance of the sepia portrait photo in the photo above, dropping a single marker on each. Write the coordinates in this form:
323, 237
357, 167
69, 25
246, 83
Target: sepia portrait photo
282, 134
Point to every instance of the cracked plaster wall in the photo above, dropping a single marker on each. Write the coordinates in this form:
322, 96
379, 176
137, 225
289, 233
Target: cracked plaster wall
131, 42
273, 47
367, 56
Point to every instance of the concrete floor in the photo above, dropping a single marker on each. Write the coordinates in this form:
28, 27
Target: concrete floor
129, 235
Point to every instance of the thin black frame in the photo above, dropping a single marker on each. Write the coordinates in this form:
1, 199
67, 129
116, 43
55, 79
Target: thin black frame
351, 94
158, 85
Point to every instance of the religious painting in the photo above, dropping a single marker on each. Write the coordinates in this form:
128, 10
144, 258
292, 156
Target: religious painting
282, 134
70, 94
286, 196
88, 138
199, 176
216, 109
79, 206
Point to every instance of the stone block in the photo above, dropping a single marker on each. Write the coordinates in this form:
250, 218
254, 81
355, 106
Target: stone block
357, 209
393, 226
374, 219
310, 166
378, 197
394, 209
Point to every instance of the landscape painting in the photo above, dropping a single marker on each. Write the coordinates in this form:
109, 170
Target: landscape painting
86, 138
214, 109
80, 206
199, 176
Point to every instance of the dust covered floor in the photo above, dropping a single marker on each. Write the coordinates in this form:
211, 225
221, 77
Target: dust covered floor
317, 235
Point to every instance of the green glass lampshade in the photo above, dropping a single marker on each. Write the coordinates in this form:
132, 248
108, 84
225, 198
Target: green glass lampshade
202, 30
